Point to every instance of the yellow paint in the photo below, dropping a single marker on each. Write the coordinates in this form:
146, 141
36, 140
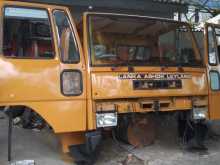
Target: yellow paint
67, 139
36, 84
214, 96
108, 85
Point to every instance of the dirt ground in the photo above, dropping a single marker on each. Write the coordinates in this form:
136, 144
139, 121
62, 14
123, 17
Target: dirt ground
43, 147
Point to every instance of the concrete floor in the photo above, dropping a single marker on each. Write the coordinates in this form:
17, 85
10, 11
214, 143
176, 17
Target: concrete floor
43, 147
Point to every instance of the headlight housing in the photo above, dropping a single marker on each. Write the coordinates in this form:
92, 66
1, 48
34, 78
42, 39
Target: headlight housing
200, 113
106, 119
71, 82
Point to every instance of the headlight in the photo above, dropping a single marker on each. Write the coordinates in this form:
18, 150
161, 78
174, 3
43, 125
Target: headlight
71, 82
200, 113
106, 119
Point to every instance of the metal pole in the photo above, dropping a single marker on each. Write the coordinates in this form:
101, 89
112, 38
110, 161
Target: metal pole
10, 135
179, 14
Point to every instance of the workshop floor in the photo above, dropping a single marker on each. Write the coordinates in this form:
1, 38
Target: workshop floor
43, 147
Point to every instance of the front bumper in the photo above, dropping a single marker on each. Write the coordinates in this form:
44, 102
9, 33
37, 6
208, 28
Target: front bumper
150, 104
108, 110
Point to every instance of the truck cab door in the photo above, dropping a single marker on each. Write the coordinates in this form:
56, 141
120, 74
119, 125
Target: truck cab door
42, 64
212, 58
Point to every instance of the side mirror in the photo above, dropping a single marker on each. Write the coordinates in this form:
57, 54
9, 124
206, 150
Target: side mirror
65, 43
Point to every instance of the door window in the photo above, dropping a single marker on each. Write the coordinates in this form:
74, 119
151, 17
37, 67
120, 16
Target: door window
212, 47
217, 32
27, 33
215, 80
69, 52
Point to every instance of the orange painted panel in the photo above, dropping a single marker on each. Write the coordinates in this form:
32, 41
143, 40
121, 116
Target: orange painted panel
36, 83
108, 85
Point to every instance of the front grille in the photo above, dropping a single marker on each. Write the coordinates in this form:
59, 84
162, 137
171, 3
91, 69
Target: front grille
156, 84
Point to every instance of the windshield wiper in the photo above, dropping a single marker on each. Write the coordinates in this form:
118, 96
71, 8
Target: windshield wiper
130, 66
130, 69
164, 66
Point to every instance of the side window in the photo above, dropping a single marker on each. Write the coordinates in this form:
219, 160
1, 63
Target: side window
67, 42
27, 33
215, 80
212, 47
217, 33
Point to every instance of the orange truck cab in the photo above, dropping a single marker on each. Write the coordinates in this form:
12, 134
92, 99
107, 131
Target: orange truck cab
212, 60
123, 69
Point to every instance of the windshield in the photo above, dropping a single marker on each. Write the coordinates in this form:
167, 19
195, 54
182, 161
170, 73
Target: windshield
138, 41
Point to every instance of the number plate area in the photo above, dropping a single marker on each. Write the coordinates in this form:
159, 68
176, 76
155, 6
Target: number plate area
156, 84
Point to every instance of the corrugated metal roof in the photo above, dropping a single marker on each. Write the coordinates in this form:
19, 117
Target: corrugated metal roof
158, 8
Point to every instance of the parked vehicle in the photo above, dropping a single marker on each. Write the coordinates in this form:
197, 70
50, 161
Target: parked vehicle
123, 69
